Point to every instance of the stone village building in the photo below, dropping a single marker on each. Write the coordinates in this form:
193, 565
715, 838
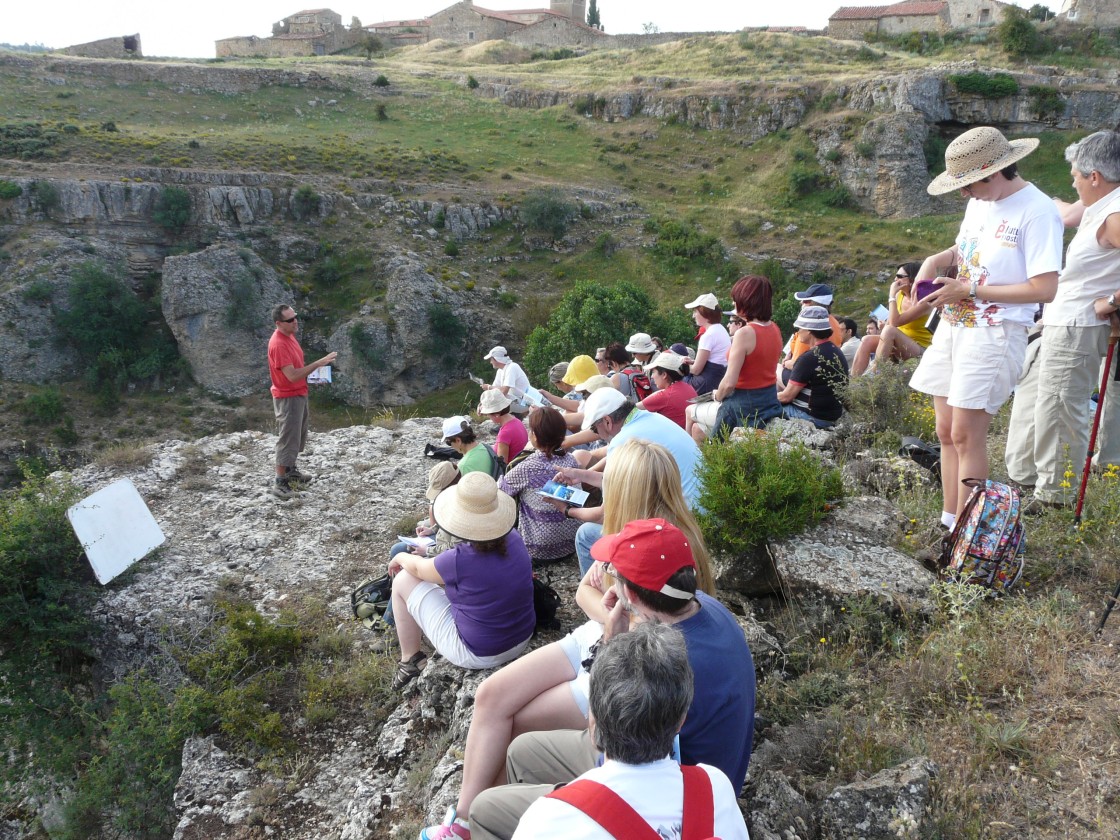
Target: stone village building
854, 22
1104, 14
310, 32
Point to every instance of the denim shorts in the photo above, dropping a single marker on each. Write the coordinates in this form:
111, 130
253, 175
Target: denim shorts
750, 407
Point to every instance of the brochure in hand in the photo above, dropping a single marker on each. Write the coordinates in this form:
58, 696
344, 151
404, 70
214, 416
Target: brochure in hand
320, 376
572, 495
419, 542
531, 396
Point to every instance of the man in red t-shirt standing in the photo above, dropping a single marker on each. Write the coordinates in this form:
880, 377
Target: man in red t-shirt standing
289, 397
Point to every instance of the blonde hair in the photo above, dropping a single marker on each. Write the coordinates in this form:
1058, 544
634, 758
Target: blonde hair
642, 481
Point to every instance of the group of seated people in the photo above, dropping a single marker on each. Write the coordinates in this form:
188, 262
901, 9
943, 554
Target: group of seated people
625, 425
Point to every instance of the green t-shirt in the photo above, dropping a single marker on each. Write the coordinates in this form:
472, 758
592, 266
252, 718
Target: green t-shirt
477, 460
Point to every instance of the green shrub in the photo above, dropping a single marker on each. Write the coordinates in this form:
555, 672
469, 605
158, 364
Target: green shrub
446, 334
885, 404
172, 210
27, 141
804, 180
365, 347
547, 211
381, 81
306, 202
755, 489
472, 82
934, 147
995, 86
46, 194
245, 306
683, 244
1046, 101
382, 113
10, 189
109, 126
46, 406
38, 291
1017, 34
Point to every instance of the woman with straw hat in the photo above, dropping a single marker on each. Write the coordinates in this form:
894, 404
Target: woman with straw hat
1008, 254
474, 602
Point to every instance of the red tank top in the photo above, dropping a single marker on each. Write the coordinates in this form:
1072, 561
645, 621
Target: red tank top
760, 366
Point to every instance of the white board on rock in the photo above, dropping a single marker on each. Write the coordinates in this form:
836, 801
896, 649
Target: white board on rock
115, 528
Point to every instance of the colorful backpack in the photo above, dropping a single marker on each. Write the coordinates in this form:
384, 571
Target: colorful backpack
640, 386
986, 545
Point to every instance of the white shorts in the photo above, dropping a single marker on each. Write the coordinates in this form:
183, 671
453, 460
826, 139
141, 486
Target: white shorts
577, 646
975, 367
428, 604
704, 415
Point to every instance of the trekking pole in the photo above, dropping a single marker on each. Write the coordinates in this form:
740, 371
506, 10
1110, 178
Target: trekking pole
1097, 420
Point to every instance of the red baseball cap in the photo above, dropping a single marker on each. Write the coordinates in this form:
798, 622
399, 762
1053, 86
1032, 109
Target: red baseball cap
648, 552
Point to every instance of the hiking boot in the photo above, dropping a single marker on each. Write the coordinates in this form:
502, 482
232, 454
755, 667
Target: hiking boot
282, 490
1035, 506
294, 474
449, 829
930, 556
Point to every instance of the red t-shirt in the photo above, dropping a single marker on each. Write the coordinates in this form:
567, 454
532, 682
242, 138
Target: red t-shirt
759, 369
671, 401
284, 350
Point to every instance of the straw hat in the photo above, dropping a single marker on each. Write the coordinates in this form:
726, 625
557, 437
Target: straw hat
493, 401
440, 477
475, 509
580, 369
975, 155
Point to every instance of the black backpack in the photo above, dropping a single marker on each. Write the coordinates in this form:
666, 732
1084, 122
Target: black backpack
370, 600
546, 601
497, 463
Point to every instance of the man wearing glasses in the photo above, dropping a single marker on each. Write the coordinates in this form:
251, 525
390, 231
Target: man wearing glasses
289, 397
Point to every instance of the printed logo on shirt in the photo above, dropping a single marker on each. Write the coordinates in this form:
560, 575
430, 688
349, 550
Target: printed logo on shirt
1007, 236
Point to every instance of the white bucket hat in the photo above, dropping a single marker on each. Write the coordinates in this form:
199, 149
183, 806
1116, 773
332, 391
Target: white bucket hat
708, 301
498, 354
975, 155
475, 509
641, 343
813, 318
493, 401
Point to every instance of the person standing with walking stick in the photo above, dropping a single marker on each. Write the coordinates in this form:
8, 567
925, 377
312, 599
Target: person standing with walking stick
1049, 432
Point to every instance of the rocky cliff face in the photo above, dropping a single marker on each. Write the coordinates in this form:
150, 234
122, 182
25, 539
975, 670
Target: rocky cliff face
357, 779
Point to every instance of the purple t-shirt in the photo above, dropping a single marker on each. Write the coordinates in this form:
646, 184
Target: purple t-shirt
513, 434
491, 595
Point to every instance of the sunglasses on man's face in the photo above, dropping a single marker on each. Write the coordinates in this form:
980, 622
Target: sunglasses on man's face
289, 320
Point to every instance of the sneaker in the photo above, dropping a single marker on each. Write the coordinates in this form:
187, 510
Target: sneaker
281, 489
1035, 506
449, 829
295, 475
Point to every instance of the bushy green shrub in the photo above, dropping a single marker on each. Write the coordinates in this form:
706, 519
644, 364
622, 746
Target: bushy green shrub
306, 202
446, 335
472, 82
46, 406
548, 211
592, 315
755, 489
1017, 35
884, 404
994, 86
451, 248
172, 210
684, 245
27, 141
363, 345
10, 189
1046, 101
46, 194
381, 81
38, 291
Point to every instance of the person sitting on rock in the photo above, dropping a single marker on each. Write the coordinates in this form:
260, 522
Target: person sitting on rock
673, 392
509, 376
850, 330
819, 376
905, 336
578, 370
512, 436
474, 602
458, 434
709, 366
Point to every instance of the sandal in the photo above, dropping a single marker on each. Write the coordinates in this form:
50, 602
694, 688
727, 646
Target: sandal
409, 670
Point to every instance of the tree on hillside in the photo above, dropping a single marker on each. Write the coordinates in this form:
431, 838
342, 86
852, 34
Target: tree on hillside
371, 44
650, 28
1017, 34
593, 15
1039, 12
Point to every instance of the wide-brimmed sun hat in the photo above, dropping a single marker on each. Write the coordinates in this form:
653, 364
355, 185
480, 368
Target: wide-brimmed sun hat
440, 477
580, 369
593, 384
641, 343
975, 155
498, 354
648, 552
475, 509
493, 401
813, 318
666, 361
708, 301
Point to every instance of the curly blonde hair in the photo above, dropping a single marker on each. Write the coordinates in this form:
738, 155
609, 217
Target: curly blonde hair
642, 481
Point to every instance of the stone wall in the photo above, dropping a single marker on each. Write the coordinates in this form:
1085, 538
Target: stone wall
123, 46
635, 40
901, 24
560, 32
851, 30
967, 14
1103, 13
461, 23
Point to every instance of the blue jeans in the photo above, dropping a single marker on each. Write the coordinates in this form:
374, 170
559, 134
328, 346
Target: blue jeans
792, 412
749, 407
398, 548
586, 536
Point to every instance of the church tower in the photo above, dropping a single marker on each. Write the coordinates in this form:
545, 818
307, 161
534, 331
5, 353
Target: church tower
574, 9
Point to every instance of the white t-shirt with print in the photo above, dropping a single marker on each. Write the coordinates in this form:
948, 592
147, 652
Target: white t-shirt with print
655, 791
1001, 243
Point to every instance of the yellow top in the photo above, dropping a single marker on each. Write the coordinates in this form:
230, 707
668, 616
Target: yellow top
915, 330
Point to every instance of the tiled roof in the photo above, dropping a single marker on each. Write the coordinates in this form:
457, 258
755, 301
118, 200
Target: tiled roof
905, 9
309, 12
391, 24
858, 13
497, 15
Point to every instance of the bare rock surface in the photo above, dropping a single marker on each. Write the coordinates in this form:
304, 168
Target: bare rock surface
889, 805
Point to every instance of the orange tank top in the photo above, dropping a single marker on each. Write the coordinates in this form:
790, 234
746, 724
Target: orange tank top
760, 366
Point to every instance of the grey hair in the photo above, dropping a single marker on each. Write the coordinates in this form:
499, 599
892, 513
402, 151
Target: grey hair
641, 688
1098, 152
278, 312
620, 414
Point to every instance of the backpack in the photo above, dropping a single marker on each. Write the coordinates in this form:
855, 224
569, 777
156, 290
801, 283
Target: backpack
616, 816
546, 601
986, 545
497, 463
640, 386
923, 454
370, 600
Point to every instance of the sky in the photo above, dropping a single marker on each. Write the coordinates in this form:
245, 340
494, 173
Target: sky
189, 31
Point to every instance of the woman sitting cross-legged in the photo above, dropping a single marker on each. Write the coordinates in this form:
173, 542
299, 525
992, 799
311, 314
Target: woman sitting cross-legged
474, 602
548, 533
547, 688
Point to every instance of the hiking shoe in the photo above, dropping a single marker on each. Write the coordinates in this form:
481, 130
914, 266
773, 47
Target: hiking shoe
295, 475
281, 489
1035, 506
930, 556
449, 829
